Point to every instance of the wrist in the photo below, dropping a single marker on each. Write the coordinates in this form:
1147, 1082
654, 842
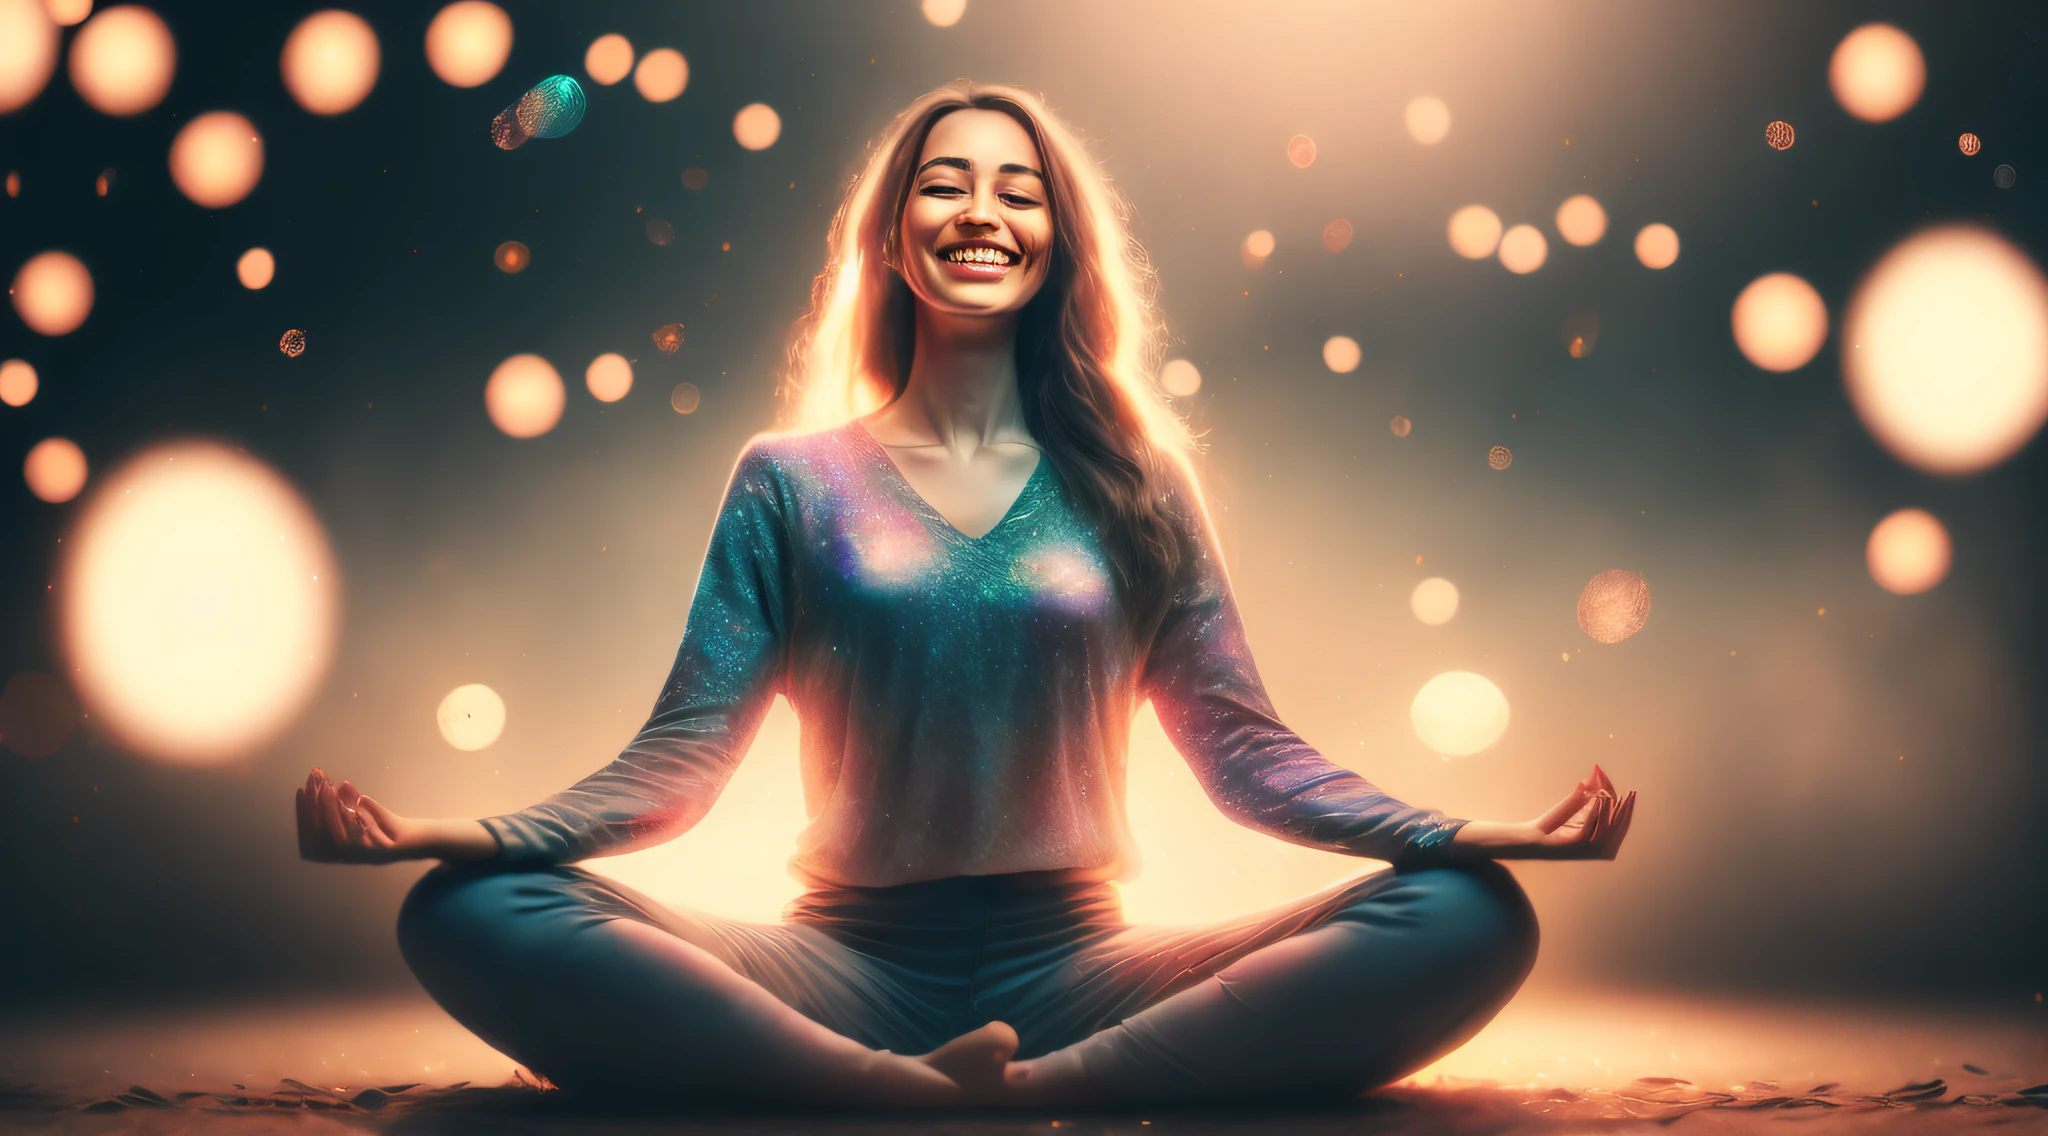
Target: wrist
452, 838
1487, 835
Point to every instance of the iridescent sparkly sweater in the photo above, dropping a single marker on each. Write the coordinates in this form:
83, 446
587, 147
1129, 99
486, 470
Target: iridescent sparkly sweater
965, 702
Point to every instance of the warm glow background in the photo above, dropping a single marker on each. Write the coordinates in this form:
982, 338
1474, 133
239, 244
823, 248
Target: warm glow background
1839, 802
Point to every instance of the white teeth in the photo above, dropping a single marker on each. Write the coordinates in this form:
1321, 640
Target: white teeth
978, 256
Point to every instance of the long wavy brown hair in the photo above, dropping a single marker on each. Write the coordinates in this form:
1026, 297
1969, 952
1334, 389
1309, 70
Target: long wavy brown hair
1088, 344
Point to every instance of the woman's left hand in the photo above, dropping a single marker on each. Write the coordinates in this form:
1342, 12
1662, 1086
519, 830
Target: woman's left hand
1588, 824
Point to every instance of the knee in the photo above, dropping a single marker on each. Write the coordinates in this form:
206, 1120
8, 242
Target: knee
1480, 918
451, 913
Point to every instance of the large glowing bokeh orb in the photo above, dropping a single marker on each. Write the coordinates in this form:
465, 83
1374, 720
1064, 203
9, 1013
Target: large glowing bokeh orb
1428, 119
1459, 713
661, 75
28, 52
756, 126
122, 60
55, 470
18, 382
330, 61
944, 13
1657, 245
1256, 247
199, 603
468, 42
1523, 249
1779, 322
1877, 72
1341, 354
1474, 232
525, 396
471, 717
1180, 378
256, 269
68, 13
1581, 221
217, 159
608, 59
1945, 350
52, 293
609, 377
1434, 601
1908, 552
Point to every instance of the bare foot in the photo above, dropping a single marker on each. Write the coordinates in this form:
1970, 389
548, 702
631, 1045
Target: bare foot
975, 1061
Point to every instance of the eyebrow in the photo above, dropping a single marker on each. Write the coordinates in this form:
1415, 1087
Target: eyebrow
964, 164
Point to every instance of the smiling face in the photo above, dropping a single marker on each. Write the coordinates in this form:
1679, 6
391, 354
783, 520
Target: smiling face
976, 231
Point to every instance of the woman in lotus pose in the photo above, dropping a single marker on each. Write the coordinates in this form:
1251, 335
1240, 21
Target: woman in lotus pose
979, 549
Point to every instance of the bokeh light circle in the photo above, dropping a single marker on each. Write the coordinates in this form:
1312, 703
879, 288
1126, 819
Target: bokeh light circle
525, 396
292, 343
609, 59
1908, 553
756, 126
662, 75
1341, 354
1337, 235
18, 382
1779, 135
471, 717
1657, 246
1969, 144
1474, 232
1523, 249
1581, 221
609, 377
1500, 457
122, 60
1257, 246
512, 257
944, 13
256, 269
1434, 601
1428, 119
1614, 605
199, 603
55, 470
28, 52
1945, 350
1400, 425
1779, 322
52, 293
217, 159
1877, 72
1180, 378
468, 42
1301, 150
1459, 713
68, 12
685, 398
330, 61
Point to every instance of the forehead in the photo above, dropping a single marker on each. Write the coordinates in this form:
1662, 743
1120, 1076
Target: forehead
988, 138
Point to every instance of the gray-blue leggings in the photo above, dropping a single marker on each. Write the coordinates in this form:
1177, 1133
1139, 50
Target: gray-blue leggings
601, 989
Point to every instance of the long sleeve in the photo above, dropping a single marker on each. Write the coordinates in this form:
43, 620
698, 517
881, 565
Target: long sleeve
732, 662
1203, 684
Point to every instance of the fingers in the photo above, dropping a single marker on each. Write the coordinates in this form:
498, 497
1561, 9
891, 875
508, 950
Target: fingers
1564, 810
330, 816
1624, 815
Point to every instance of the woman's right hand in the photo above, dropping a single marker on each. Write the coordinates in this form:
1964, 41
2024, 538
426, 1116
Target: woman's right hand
338, 825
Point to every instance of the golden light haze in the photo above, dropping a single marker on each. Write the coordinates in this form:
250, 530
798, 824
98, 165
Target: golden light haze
525, 396
199, 603
1523, 249
1945, 350
1180, 378
1474, 232
1341, 354
217, 159
28, 52
52, 293
256, 269
1657, 245
944, 13
122, 60
1779, 322
1459, 713
330, 61
1908, 552
18, 382
608, 59
1877, 72
1581, 221
468, 42
1428, 119
1434, 601
609, 377
662, 75
756, 126
1258, 245
471, 717
55, 470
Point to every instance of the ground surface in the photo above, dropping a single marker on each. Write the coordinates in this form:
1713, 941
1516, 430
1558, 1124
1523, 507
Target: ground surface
1566, 1062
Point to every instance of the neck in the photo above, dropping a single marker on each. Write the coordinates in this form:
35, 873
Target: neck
963, 381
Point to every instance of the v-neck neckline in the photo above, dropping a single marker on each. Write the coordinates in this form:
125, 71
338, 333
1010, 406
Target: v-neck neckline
916, 499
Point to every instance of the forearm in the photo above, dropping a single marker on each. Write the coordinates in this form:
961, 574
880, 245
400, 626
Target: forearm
1483, 839
452, 838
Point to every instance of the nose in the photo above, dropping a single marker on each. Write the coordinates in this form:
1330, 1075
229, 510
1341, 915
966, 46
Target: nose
980, 211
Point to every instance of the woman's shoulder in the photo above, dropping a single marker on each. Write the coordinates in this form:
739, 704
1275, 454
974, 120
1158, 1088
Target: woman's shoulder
791, 459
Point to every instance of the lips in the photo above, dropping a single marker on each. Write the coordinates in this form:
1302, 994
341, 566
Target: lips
978, 261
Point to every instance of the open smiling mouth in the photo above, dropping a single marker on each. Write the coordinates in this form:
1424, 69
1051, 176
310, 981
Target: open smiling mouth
978, 262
